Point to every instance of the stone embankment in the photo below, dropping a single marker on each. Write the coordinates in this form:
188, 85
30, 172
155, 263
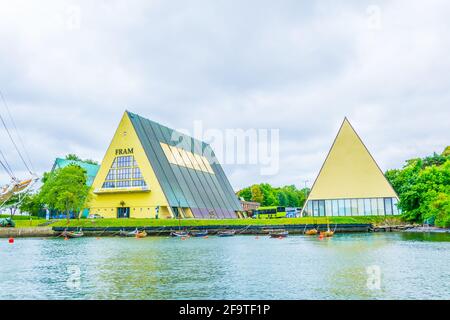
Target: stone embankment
27, 232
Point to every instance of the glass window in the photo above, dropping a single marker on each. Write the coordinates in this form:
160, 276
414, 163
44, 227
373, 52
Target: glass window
321, 208
380, 206
194, 162
177, 157
367, 208
395, 209
309, 208
315, 208
354, 207
201, 163
186, 159
335, 208
348, 207
124, 177
341, 204
374, 206
207, 165
361, 207
328, 211
388, 206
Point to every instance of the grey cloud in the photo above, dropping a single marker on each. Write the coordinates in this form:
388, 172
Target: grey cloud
297, 66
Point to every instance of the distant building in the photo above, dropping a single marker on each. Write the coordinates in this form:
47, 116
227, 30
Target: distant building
91, 169
249, 205
350, 183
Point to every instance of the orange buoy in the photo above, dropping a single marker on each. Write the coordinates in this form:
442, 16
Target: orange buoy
11, 240
183, 238
65, 238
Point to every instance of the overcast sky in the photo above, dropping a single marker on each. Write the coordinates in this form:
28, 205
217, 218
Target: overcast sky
69, 69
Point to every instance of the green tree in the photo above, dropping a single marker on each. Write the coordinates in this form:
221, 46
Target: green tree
31, 204
91, 161
12, 204
423, 186
282, 199
269, 195
65, 190
257, 195
287, 196
446, 152
246, 194
73, 157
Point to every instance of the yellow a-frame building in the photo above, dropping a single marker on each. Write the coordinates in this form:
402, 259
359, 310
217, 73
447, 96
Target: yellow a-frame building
152, 171
350, 183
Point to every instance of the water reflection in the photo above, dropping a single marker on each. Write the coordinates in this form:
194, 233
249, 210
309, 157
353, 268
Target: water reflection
413, 266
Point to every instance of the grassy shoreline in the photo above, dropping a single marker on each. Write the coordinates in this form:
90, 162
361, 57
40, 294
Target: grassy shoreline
86, 223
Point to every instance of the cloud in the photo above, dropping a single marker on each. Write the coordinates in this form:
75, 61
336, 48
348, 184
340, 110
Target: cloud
70, 69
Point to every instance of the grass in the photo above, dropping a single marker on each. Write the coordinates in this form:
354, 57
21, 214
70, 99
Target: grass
24, 221
85, 223
15, 218
29, 223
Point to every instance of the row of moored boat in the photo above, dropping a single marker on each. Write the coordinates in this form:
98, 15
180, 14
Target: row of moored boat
199, 234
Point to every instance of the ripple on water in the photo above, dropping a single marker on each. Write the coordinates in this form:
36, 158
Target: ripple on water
413, 266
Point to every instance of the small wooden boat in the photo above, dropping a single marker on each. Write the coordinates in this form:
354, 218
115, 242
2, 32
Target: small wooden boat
279, 234
199, 234
141, 234
311, 232
124, 233
327, 234
73, 234
179, 234
226, 233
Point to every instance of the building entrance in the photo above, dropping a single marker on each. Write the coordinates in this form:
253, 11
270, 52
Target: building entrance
123, 212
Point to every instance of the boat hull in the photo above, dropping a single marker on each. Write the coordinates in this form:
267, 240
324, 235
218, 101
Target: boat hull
179, 234
225, 234
141, 235
279, 234
73, 234
199, 234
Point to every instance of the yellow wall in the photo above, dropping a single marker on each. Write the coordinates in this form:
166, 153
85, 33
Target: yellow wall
350, 171
142, 204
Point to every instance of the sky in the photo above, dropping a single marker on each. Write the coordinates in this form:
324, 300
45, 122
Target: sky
69, 69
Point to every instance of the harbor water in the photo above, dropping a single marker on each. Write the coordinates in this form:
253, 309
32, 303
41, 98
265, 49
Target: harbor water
347, 266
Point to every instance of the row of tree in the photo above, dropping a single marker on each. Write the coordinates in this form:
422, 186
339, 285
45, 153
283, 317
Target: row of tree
63, 189
267, 195
423, 186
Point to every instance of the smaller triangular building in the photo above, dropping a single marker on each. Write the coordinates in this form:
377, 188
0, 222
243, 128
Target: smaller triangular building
350, 183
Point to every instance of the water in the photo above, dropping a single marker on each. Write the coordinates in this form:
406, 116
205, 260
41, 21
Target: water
413, 266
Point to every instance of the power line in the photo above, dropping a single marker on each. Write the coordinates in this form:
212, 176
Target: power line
10, 136
6, 165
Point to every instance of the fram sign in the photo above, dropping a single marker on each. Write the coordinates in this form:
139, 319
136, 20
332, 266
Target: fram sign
126, 151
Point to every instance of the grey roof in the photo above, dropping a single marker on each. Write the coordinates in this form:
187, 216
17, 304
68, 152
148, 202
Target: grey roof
203, 192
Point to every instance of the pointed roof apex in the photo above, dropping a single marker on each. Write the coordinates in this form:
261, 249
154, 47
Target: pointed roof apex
350, 171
